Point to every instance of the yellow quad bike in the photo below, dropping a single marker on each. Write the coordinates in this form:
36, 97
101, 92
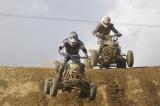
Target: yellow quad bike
110, 55
73, 79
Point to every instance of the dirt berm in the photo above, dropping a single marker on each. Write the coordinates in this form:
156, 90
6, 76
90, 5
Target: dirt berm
20, 86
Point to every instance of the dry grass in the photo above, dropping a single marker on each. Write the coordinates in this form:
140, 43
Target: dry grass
20, 86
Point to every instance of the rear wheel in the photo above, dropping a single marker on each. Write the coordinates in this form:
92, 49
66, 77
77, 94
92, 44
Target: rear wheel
121, 64
93, 91
84, 89
83, 93
106, 65
130, 58
94, 58
47, 85
54, 88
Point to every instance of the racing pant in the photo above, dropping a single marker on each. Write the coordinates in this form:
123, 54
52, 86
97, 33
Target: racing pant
98, 53
61, 69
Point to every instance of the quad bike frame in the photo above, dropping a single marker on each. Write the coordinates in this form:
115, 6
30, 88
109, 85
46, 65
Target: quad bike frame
72, 80
110, 55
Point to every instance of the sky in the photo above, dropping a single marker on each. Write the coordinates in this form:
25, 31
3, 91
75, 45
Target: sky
34, 42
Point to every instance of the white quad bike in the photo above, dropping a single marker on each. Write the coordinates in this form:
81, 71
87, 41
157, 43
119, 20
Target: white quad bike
110, 55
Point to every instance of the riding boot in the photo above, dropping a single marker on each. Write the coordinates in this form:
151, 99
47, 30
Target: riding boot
61, 70
96, 57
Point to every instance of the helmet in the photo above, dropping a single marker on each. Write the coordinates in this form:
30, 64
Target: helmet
72, 41
73, 35
106, 20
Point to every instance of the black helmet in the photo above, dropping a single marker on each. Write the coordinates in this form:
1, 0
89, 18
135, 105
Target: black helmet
72, 41
73, 35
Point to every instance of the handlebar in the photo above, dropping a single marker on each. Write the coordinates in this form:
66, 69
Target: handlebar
107, 37
115, 35
112, 37
74, 56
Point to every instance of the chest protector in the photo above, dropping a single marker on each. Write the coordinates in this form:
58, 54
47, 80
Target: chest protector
72, 49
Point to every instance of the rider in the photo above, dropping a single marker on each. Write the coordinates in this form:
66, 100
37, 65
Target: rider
72, 45
103, 29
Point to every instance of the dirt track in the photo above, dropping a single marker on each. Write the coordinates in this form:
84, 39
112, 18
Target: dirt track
116, 87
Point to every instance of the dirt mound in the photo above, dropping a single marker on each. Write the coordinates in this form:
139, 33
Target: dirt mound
116, 87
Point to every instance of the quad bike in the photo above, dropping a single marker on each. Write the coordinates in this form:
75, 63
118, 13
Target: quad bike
72, 79
110, 55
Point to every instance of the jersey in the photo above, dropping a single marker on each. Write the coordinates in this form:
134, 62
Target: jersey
72, 49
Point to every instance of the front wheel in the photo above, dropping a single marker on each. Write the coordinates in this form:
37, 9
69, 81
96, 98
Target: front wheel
54, 88
47, 85
94, 58
121, 64
130, 58
93, 91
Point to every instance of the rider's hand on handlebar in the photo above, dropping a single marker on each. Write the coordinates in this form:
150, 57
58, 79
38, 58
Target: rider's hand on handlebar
118, 35
86, 55
63, 54
98, 35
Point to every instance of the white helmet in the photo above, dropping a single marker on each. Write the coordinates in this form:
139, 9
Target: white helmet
106, 20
